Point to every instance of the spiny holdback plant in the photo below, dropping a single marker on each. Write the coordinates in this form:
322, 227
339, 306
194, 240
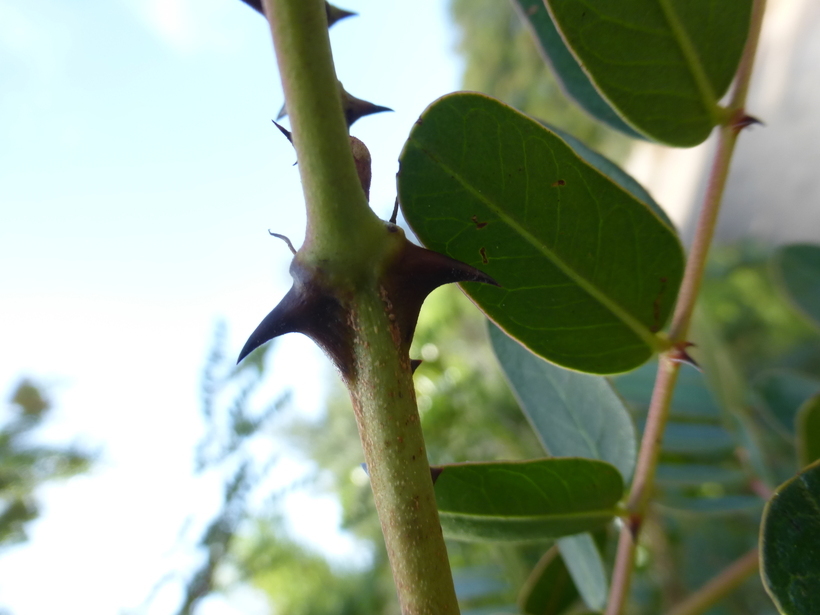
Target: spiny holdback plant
582, 275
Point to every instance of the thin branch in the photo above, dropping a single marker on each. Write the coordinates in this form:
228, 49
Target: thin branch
720, 586
668, 367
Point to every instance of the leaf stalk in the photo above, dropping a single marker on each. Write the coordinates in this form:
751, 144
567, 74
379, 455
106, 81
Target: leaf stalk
658, 414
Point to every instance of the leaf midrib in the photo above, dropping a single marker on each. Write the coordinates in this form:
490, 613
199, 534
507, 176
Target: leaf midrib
601, 512
649, 338
692, 59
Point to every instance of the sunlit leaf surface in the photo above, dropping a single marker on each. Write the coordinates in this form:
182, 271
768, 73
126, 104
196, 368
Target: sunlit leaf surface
662, 64
516, 501
566, 68
588, 273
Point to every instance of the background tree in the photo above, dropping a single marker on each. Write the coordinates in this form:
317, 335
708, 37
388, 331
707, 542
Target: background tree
26, 465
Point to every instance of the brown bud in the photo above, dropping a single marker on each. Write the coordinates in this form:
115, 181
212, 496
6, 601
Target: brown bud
361, 156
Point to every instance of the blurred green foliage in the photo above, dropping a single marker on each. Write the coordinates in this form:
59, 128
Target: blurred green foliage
26, 465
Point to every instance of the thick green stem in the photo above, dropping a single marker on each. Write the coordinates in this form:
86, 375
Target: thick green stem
346, 253
669, 364
338, 215
385, 403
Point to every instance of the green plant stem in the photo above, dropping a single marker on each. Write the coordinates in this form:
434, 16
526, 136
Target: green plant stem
720, 586
669, 363
338, 215
347, 248
385, 404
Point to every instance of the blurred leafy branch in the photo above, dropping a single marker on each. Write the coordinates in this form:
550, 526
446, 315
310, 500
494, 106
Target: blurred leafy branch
26, 465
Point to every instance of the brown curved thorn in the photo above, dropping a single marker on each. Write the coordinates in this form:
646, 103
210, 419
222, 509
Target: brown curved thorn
634, 523
356, 108
678, 354
416, 273
308, 309
285, 239
256, 5
744, 121
335, 14
395, 213
288, 134
414, 365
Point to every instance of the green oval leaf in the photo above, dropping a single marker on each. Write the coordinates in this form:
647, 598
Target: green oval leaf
797, 269
528, 500
549, 589
612, 171
566, 68
662, 64
588, 272
573, 414
790, 544
583, 560
808, 432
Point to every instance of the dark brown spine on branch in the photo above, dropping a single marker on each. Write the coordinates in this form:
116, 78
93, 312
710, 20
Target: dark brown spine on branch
311, 309
414, 274
334, 13
326, 315
354, 108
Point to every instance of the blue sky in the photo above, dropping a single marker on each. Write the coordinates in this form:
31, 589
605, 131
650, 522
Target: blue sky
139, 173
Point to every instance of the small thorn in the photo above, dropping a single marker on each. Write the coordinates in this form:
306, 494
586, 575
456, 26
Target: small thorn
335, 14
414, 365
744, 121
395, 213
288, 134
634, 524
678, 354
285, 239
310, 309
256, 5
416, 273
356, 108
